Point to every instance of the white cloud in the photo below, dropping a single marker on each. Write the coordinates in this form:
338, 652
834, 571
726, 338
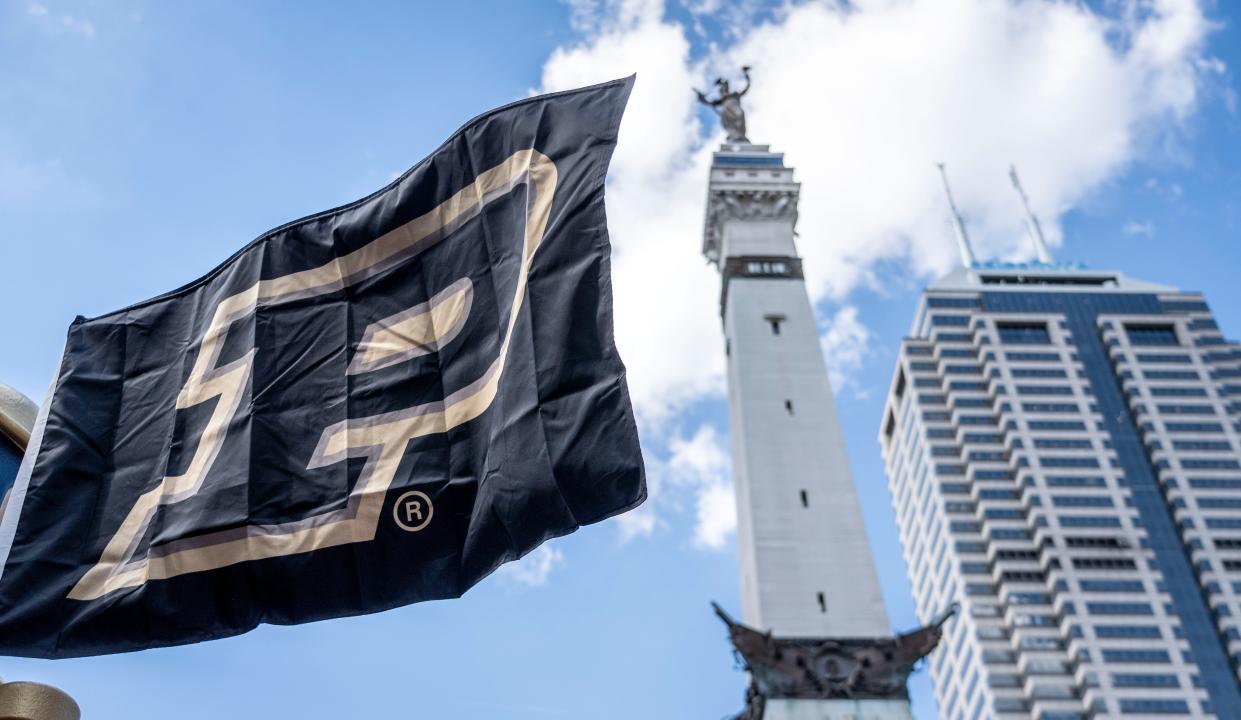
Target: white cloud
700, 465
1171, 190
866, 102
845, 343
534, 569
732, 17
602, 16
57, 23
864, 98
717, 515
1133, 227
693, 471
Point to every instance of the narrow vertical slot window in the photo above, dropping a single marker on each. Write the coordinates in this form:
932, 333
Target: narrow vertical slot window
822, 603
775, 321
805, 499
788, 406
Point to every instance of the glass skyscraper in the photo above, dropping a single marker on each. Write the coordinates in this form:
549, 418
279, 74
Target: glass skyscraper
1063, 448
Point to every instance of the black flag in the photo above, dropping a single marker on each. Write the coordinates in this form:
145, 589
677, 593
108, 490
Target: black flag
365, 408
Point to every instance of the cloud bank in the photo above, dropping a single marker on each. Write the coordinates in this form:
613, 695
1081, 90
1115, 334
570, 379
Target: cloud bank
864, 98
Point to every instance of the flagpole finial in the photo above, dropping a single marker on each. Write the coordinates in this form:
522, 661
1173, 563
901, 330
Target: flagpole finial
35, 701
17, 416
958, 223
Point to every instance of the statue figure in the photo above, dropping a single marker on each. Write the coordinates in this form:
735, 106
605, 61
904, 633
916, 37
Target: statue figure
728, 106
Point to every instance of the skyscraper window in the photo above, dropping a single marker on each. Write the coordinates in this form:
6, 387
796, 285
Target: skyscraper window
1151, 335
1023, 333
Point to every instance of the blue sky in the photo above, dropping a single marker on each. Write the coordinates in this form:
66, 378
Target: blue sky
142, 143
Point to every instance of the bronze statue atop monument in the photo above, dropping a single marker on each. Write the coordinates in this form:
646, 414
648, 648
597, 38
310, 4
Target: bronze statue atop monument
728, 107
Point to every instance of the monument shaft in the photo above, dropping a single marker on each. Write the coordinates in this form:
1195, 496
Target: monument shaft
814, 632
806, 565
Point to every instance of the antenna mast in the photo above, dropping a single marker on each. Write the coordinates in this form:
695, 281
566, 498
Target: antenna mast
1032, 224
963, 240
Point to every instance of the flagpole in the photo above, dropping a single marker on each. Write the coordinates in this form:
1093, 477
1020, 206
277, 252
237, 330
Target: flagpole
35, 701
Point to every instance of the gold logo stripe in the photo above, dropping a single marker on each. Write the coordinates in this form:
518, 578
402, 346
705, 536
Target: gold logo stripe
420, 330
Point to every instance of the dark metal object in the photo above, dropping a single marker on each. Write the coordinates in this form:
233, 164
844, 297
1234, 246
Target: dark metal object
823, 668
728, 106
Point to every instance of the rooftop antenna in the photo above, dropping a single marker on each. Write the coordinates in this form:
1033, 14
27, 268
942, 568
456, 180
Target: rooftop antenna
963, 240
1032, 224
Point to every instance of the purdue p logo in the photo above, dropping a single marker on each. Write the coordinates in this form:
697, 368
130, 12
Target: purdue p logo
379, 440
371, 406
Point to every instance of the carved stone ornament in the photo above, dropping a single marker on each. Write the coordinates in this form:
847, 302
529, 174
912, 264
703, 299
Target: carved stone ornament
726, 205
822, 668
753, 205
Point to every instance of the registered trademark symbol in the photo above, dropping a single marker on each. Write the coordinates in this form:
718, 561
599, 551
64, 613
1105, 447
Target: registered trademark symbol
412, 511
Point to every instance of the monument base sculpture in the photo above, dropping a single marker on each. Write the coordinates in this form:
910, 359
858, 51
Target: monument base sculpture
790, 678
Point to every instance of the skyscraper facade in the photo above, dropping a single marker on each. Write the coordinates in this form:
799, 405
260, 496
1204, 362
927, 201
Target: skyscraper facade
1063, 449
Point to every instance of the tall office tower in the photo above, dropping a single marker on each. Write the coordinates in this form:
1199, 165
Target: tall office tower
807, 573
1064, 452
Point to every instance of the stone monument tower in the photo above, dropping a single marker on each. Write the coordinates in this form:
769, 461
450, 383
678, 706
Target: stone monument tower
807, 574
